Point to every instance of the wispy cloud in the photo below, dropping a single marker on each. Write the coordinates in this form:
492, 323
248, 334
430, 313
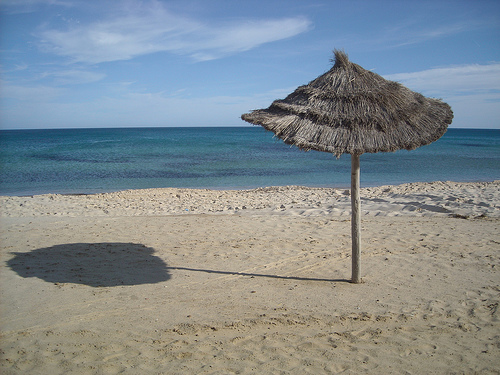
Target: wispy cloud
17, 3
30, 94
15, 68
404, 35
455, 79
71, 77
152, 28
28, 6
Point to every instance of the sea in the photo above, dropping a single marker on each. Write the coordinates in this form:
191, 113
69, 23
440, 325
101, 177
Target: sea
87, 161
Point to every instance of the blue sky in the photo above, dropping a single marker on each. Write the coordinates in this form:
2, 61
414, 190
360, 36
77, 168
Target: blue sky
112, 63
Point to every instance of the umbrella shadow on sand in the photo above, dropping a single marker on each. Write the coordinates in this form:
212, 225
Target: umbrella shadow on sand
271, 276
92, 264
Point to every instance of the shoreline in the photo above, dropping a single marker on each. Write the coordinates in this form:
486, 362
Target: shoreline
412, 199
251, 281
235, 188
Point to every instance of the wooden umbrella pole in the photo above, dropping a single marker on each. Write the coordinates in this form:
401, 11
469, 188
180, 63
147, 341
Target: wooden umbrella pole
355, 219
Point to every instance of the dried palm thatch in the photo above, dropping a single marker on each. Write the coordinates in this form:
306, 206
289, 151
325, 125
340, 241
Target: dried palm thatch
352, 110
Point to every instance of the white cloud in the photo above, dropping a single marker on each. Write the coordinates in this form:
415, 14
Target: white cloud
153, 29
247, 35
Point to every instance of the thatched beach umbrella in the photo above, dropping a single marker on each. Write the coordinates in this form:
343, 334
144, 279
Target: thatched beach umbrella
350, 110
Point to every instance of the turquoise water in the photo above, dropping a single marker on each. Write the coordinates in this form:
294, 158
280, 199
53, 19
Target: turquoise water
102, 160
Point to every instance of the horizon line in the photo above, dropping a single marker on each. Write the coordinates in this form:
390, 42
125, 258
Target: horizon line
184, 127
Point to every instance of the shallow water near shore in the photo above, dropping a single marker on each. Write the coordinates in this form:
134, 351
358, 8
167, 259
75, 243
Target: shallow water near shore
104, 160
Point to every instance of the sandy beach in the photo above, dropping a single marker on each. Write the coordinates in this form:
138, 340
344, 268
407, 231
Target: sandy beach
181, 281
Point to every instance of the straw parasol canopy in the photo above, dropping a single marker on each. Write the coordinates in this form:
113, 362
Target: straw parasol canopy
351, 110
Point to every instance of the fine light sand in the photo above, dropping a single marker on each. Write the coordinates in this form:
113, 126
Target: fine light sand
179, 281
